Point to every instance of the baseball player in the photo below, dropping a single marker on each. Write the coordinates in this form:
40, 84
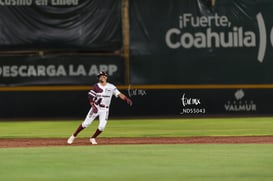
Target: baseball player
100, 99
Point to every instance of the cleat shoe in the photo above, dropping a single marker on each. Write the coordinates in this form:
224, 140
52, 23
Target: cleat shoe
93, 141
71, 140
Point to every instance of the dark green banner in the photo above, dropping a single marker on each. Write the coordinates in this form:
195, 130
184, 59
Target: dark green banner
59, 70
93, 25
197, 42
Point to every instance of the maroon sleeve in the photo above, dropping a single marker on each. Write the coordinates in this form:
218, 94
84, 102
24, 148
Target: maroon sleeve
93, 93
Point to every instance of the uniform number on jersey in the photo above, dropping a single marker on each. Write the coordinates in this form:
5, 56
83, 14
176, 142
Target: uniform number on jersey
98, 101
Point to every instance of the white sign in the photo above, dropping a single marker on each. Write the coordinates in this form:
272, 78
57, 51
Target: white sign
239, 104
55, 70
213, 37
191, 105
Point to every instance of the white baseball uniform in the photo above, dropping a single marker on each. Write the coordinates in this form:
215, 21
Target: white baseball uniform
102, 99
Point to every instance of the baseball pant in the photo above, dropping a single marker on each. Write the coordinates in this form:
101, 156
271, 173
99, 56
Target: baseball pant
103, 117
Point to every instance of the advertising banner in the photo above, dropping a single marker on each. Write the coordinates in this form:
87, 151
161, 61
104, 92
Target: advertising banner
201, 102
182, 103
59, 70
199, 42
60, 24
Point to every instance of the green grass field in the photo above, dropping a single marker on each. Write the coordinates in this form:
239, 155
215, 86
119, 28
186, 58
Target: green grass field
205, 162
141, 128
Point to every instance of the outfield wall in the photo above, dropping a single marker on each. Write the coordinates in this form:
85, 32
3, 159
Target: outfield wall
147, 102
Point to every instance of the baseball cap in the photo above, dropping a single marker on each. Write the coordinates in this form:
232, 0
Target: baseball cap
102, 73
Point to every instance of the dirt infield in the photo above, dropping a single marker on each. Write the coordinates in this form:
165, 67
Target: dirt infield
38, 142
